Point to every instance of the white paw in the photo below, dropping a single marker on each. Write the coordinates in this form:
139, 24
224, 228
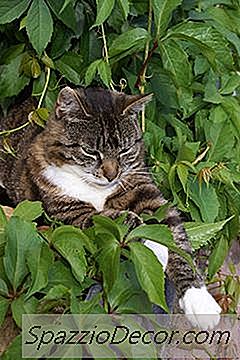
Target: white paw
200, 307
159, 250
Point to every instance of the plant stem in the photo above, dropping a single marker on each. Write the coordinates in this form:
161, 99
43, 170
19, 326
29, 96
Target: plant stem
45, 87
106, 50
7, 132
142, 75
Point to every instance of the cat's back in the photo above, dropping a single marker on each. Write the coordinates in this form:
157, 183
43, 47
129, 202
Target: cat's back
15, 135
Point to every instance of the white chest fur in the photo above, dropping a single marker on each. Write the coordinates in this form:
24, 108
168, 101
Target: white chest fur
69, 180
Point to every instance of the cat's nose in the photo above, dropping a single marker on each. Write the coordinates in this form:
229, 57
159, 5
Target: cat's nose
110, 169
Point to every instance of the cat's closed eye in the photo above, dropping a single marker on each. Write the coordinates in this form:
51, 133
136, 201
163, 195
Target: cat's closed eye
95, 154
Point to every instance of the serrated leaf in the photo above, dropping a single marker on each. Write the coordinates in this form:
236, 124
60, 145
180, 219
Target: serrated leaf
204, 34
162, 14
28, 210
39, 25
218, 130
68, 241
64, 12
56, 293
60, 274
128, 42
3, 288
160, 234
149, 273
91, 72
200, 233
10, 10
39, 260
4, 303
205, 197
109, 260
104, 9
106, 225
3, 222
218, 256
124, 5
127, 295
20, 236
70, 66
20, 306
104, 71
175, 60
11, 81
182, 171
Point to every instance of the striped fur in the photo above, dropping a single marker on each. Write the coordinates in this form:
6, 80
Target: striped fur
89, 159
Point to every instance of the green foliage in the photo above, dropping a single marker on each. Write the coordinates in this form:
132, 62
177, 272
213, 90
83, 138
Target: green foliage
187, 54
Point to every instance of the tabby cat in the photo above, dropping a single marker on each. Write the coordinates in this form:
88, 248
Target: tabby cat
89, 159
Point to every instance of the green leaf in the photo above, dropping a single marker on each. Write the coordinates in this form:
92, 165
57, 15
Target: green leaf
104, 71
109, 260
65, 13
205, 197
218, 256
70, 66
91, 72
232, 108
21, 235
160, 234
3, 223
124, 5
175, 60
20, 306
39, 25
204, 34
60, 274
14, 350
3, 288
159, 214
106, 225
39, 260
10, 10
200, 233
149, 273
182, 171
218, 130
162, 14
11, 82
56, 293
4, 303
87, 306
104, 9
68, 241
128, 42
28, 210
127, 295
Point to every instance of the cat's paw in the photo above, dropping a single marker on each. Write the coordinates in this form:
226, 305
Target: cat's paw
200, 308
159, 250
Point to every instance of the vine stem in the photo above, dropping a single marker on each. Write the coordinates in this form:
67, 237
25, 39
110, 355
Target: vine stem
45, 87
6, 132
142, 75
106, 50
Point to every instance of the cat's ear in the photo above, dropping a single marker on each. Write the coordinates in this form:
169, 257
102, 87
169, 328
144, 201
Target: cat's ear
69, 100
135, 103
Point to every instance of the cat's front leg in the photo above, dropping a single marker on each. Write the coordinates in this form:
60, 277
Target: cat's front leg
194, 299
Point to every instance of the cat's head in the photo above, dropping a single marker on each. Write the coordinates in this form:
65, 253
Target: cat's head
100, 133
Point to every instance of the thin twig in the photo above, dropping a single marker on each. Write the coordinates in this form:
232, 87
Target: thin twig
45, 87
106, 50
